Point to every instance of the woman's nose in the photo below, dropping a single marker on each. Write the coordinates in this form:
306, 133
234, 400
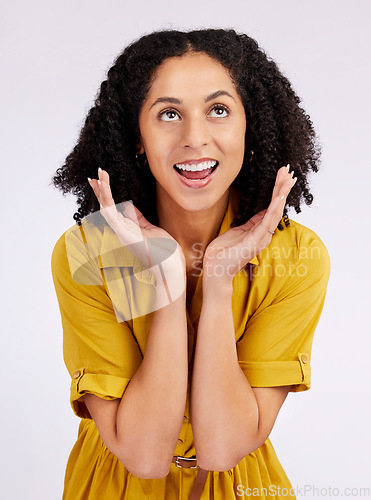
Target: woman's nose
195, 133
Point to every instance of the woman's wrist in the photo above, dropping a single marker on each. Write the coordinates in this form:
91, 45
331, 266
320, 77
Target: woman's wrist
217, 285
214, 276
171, 280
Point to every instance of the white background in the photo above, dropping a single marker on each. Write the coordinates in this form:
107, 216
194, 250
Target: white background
53, 57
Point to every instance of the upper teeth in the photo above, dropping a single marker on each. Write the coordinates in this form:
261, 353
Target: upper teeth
196, 168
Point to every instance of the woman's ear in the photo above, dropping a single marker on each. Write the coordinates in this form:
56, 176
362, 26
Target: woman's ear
140, 147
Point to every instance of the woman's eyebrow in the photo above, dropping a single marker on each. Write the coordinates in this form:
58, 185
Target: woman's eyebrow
171, 100
218, 93
174, 100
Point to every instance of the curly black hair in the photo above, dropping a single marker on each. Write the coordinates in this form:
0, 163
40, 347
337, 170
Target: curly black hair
278, 130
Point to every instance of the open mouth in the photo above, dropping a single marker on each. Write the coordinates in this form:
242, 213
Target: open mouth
199, 172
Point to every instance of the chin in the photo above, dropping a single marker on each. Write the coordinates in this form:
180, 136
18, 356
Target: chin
201, 206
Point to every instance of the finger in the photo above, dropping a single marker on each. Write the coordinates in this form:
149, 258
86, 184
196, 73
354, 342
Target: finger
106, 199
94, 185
108, 208
282, 174
130, 211
286, 187
253, 221
274, 212
283, 178
113, 213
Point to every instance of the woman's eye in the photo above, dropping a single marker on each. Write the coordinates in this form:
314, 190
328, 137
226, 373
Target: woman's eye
219, 111
169, 115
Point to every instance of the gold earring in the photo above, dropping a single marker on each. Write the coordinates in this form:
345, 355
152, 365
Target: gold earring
141, 166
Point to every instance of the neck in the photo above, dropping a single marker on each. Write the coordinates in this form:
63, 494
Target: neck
196, 229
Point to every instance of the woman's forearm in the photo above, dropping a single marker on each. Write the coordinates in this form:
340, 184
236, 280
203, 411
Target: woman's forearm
151, 412
224, 411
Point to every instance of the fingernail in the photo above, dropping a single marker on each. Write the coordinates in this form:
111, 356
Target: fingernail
282, 197
288, 166
99, 181
295, 179
89, 179
292, 174
99, 170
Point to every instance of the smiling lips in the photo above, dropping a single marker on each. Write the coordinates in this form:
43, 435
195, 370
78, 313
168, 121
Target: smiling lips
196, 169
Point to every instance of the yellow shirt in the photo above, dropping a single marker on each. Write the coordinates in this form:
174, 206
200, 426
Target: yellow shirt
277, 301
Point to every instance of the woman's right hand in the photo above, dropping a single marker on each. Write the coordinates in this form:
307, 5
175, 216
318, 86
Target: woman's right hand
152, 245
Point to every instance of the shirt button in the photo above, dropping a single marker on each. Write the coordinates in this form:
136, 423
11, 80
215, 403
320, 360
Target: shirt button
185, 419
180, 441
77, 374
304, 358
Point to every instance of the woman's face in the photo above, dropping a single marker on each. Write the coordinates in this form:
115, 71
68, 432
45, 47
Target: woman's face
193, 118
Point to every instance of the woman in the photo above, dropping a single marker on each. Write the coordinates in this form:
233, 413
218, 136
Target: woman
188, 308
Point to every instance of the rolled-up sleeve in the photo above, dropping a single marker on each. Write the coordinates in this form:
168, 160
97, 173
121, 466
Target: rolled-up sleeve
275, 349
100, 353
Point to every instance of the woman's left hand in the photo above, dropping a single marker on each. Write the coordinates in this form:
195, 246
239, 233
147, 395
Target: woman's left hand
231, 251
